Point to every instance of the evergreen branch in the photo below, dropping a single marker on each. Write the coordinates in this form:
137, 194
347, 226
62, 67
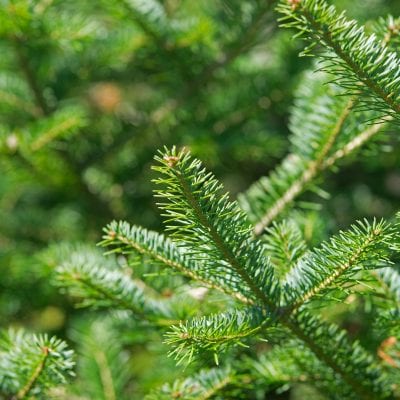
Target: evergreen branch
98, 286
106, 376
196, 335
355, 143
285, 245
213, 333
309, 173
363, 246
321, 126
215, 229
388, 30
61, 123
127, 239
24, 391
390, 278
31, 363
361, 376
14, 92
201, 386
356, 57
179, 210
308, 160
102, 372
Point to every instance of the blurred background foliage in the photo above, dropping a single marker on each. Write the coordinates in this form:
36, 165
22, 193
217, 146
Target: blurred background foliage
90, 90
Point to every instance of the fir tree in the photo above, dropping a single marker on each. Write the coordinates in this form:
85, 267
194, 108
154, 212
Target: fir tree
242, 291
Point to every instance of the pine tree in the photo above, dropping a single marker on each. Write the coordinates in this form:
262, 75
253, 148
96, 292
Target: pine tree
244, 292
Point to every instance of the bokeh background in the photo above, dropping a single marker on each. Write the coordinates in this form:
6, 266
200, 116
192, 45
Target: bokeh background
89, 90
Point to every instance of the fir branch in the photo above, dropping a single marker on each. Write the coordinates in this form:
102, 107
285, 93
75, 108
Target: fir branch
299, 170
285, 245
390, 279
309, 173
32, 363
98, 286
215, 229
177, 210
355, 143
323, 131
122, 237
364, 246
201, 386
356, 57
214, 333
24, 391
102, 372
361, 376
63, 122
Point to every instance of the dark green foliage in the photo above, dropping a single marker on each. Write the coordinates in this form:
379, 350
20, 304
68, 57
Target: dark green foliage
198, 225
291, 291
